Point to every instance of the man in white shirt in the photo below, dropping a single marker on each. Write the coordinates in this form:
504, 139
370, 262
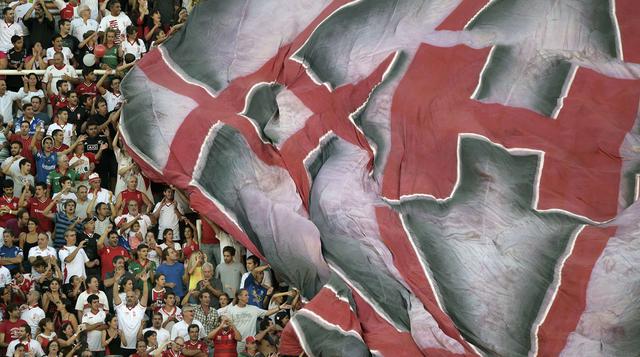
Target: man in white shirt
181, 328
253, 262
125, 221
7, 98
112, 97
11, 165
25, 339
5, 276
32, 313
102, 194
21, 9
58, 48
116, 20
73, 258
8, 29
167, 213
130, 314
84, 23
156, 326
94, 320
42, 250
58, 71
83, 305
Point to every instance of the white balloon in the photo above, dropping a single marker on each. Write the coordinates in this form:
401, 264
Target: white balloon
89, 60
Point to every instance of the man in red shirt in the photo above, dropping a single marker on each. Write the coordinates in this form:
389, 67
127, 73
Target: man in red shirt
132, 194
8, 204
59, 101
195, 346
10, 329
36, 206
24, 139
141, 349
225, 338
110, 251
88, 85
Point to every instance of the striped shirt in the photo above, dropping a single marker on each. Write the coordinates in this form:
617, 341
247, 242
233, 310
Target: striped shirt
62, 224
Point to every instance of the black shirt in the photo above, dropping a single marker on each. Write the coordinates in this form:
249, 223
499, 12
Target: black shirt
15, 58
40, 31
92, 145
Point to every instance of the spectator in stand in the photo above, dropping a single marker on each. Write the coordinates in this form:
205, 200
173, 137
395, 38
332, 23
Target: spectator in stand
21, 8
19, 223
113, 336
63, 169
100, 194
84, 165
68, 40
31, 88
29, 344
38, 204
79, 26
114, 96
167, 214
225, 338
126, 222
83, 303
209, 243
68, 129
42, 26
206, 313
229, 271
40, 110
77, 114
171, 313
47, 333
94, 320
30, 118
116, 20
86, 46
141, 349
22, 178
253, 263
8, 203
156, 326
73, 258
33, 313
108, 254
154, 27
133, 44
194, 269
64, 221
10, 256
127, 169
191, 244
10, 328
12, 163
46, 159
173, 271
8, 29
7, 98
195, 345
180, 329
42, 250
100, 211
98, 145
36, 60
113, 54
140, 16
91, 247
68, 10
58, 99
17, 58
56, 72
131, 193
87, 87
58, 47
167, 238
131, 314
24, 140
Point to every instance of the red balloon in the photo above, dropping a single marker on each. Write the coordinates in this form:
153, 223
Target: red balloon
99, 50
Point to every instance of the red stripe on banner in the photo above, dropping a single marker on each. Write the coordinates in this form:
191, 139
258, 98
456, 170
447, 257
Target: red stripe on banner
290, 342
570, 300
335, 311
582, 166
457, 20
627, 14
408, 264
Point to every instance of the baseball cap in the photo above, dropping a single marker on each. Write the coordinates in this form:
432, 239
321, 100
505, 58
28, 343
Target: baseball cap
250, 339
94, 176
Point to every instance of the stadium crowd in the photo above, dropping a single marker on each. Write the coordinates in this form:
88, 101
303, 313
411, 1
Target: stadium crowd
95, 259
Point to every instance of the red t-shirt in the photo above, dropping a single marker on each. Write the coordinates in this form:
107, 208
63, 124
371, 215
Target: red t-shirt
169, 353
57, 102
131, 196
12, 204
106, 258
196, 345
11, 331
158, 298
90, 89
67, 12
208, 234
36, 207
26, 150
224, 343
187, 250
60, 148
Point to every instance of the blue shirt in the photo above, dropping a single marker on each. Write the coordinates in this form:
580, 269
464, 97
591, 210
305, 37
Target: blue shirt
62, 224
32, 127
10, 252
257, 292
173, 274
44, 165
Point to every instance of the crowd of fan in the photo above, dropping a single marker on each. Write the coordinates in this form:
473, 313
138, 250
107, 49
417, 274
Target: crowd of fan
96, 259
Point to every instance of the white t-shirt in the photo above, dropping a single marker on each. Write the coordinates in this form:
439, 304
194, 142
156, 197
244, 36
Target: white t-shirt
144, 220
244, 318
57, 75
5, 276
129, 321
66, 53
37, 252
137, 48
94, 338
64, 197
20, 11
6, 102
182, 329
28, 95
112, 100
166, 315
83, 305
33, 315
76, 266
168, 219
118, 23
104, 196
67, 129
163, 335
34, 346
164, 246
94, 6
6, 32
79, 27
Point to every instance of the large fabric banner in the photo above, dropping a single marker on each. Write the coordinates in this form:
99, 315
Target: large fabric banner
438, 177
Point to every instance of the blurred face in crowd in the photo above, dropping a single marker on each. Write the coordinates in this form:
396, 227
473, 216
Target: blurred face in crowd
15, 149
35, 101
58, 59
228, 258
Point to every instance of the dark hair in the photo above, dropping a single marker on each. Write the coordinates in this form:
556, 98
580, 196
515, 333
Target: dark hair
60, 83
142, 246
85, 72
37, 87
7, 183
15, 38
19, 143
129, 57
99, 206
55, 37
62, 22
117, 257
12, 307
92, 122
42, 185
149, 334
131, 29
55, 132
231, 250
165, 231
5, 10
109, 318
62, 110
254, 259
193, 326
64, 179
26, 105
92, 298
23, 162
155, 278
27, 328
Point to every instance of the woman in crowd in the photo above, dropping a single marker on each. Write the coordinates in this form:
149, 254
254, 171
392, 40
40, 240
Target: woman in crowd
50, 297
112, 336
32, 89
47, 332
